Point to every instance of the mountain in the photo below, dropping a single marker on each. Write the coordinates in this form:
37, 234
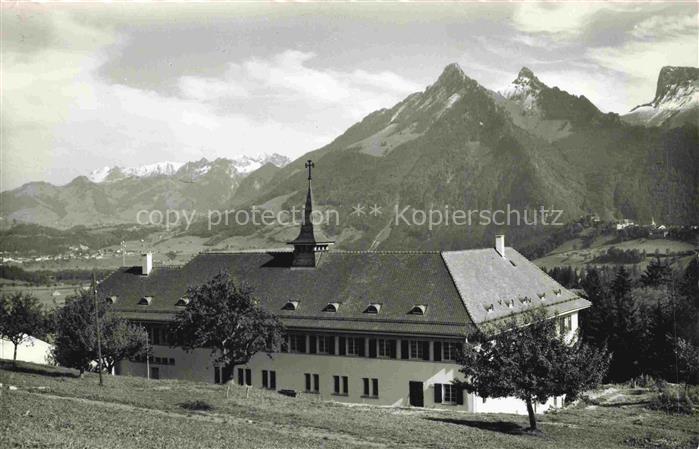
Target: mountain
458, 145
676, 100
453, 146
116, 195
241, 165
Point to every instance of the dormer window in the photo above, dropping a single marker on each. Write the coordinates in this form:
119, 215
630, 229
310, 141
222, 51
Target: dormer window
557, 292
145, 301
373, 308
111, 299
542, 296
182, 302
291, 305
418, 309
331, 307
489, 308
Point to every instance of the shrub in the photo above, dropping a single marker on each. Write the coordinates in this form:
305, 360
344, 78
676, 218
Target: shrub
672, 400
198, 405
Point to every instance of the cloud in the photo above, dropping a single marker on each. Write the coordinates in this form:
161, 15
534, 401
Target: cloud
61, 118
663, 26
564, 19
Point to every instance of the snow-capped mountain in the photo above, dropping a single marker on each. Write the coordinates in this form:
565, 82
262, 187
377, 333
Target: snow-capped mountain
242, 165
165, 168
525, 90
676, 100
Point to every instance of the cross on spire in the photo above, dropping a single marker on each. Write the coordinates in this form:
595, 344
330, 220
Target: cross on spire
309, 165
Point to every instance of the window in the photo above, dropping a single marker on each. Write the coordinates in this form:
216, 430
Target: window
269, 379
373, 308
450, 351
352, 346
217, 375
244, 376
297, 343
417, 349
385, 348
418, 309
290, 305
565, 324
182, 302
331, 307
312, 383
449, 393
371, 387
145, 301
340, 386
325, 344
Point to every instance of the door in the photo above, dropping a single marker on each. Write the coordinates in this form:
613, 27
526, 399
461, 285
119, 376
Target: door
154, 372
417, 398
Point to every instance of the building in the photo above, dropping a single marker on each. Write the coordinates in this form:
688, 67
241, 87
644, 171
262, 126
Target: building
363, 326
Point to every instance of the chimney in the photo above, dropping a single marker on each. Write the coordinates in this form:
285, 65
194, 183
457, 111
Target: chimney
500, 245
146, 263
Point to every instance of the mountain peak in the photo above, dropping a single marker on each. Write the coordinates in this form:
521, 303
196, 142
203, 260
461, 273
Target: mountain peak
525, 72
451, 73
672, 78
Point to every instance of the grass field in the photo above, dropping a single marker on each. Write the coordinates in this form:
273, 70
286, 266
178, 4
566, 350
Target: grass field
571, 252
54, 408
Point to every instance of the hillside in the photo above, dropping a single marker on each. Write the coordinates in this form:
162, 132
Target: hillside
461, 145
49, 407
456, 145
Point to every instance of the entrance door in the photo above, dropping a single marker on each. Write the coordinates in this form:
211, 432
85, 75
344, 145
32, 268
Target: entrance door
417, 398
154, 372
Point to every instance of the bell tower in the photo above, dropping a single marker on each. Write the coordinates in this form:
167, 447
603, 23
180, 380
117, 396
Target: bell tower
306, 245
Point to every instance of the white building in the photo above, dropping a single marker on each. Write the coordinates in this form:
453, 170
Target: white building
363, 327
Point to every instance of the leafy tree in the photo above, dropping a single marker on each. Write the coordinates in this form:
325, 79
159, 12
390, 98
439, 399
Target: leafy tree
21, 317
228, 319
688, 358
75, 343
529, 359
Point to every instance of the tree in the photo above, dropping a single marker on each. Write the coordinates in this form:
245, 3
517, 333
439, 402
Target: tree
656, 274
21, 317
75, 342
530, 360
228, 319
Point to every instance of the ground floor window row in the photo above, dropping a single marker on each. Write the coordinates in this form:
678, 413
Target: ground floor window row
154, 360
389, 348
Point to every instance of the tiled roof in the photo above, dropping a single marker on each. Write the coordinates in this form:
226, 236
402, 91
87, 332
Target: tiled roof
493, 287
455, 286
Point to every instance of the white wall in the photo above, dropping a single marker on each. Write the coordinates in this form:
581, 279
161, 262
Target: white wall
31, 350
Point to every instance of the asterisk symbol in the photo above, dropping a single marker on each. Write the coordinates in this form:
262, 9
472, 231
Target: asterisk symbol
375, 210
358, 210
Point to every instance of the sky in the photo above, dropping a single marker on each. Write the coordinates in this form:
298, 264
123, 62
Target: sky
85, 86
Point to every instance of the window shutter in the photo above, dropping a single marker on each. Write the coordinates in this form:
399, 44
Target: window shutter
312, 344
392, 349
404, 352
265, 384
248, 377
273, 380
241, 376
372, 348
360, 347
366, 386
437, 351
343, 346
375, 386
316, 382
331, 345
344, 385
459, 395
336, 381
308, 382
425, 350
437, 393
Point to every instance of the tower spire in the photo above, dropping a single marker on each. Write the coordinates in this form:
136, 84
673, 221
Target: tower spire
306, 244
